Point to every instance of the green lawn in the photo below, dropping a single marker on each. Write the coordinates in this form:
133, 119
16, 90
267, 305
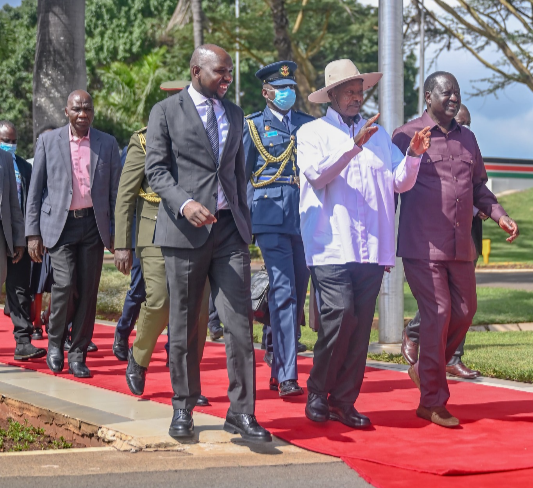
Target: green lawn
519, 206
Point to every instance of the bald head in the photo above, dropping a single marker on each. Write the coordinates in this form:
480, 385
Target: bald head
80, 112
463, 116
211, 70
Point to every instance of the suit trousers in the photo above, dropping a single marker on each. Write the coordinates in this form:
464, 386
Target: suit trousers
18, 297
225, 260
154, 314
347, 300
446, 295
135, 296
77, 263
3, 255
288, 278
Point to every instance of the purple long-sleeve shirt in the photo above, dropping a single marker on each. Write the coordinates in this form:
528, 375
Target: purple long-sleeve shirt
436, 214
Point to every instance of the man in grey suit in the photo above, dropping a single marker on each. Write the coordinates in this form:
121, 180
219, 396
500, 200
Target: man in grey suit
195, 163
12, 240
70, 210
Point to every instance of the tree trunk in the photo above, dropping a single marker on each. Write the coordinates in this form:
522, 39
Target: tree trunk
197, 22
59, 60
282, 40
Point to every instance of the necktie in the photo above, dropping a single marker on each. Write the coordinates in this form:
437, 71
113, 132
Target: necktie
212, 128
286, 123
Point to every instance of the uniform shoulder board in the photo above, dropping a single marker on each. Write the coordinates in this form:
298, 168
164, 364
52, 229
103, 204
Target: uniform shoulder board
141, 131
254, 115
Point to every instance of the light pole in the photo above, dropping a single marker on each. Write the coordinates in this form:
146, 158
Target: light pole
421, 55
237, 59
390, 60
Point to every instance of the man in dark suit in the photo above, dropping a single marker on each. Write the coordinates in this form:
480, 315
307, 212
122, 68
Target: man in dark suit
18, 295
70, 210
195, 163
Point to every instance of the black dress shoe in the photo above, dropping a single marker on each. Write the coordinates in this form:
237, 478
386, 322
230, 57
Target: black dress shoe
202, 401
135, 375
246, 425
37, 334
217, 334
273, 384
301, 347
349, 416
268, 359
182, 424
55, 359
290, 388
92, 347
120, 347
317, 408
23, 352
79, 369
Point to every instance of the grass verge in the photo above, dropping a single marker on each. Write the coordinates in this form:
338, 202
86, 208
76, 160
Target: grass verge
15, 436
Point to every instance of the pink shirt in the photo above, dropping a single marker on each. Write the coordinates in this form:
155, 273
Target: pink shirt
80, 156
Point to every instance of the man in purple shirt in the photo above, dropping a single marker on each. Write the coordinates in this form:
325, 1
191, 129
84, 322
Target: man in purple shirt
435, 242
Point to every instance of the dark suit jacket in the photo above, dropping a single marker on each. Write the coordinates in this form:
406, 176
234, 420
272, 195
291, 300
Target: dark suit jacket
12, 221
25, 177
50, 193
180, 165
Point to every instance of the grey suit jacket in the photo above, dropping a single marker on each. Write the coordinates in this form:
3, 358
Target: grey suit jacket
12, 220
180, 164
50, 193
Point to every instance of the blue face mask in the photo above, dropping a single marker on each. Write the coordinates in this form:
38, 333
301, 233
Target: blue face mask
284, 98
10, 148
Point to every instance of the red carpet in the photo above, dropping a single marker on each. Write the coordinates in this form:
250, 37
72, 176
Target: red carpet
401, 450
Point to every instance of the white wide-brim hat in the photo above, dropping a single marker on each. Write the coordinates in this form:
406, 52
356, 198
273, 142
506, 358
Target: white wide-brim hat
339, 72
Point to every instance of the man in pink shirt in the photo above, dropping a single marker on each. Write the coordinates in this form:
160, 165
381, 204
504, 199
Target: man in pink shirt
70, 211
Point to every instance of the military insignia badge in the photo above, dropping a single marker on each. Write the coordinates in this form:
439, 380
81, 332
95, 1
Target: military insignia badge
284, 70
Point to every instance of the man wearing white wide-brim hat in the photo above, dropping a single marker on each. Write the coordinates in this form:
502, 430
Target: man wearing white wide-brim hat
349, 171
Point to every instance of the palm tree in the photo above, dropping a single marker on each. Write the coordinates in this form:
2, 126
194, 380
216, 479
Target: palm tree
182, 16
59, 59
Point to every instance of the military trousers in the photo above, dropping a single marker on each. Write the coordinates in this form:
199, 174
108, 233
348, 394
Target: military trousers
289, 277
154, 314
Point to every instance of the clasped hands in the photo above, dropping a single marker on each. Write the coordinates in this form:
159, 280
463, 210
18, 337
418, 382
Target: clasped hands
419, 143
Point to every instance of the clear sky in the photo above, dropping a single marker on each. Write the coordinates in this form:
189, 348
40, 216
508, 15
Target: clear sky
502, 124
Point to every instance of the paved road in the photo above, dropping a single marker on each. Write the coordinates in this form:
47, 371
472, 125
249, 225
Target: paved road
518, 280
301, 475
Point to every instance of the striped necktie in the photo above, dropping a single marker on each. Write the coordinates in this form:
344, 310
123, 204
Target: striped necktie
212, 128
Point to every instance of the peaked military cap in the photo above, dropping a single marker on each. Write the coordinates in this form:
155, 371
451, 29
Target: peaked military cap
280, 73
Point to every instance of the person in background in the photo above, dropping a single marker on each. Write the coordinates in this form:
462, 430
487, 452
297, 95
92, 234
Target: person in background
70, 211
455, 366
349, 171
435, 242
18, 293
271, 167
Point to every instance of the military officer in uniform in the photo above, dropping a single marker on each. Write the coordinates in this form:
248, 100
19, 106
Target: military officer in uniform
136, 196
270, 149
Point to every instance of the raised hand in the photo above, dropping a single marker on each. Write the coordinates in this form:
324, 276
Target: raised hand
366, 132
420, 142
509, 226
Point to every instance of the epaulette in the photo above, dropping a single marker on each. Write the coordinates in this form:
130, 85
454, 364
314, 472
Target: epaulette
255, 114
141, 131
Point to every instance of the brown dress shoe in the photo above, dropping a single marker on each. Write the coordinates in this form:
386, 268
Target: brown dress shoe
462, 371
437, 415
409, 349
414, 376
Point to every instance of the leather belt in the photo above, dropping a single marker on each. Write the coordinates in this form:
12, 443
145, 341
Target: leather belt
288, 180
81, 212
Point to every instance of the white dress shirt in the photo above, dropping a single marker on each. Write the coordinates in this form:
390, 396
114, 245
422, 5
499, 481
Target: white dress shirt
347, 193
280, 116
200, 102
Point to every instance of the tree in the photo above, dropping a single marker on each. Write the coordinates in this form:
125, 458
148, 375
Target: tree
198, 22
59, 59
481, 25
